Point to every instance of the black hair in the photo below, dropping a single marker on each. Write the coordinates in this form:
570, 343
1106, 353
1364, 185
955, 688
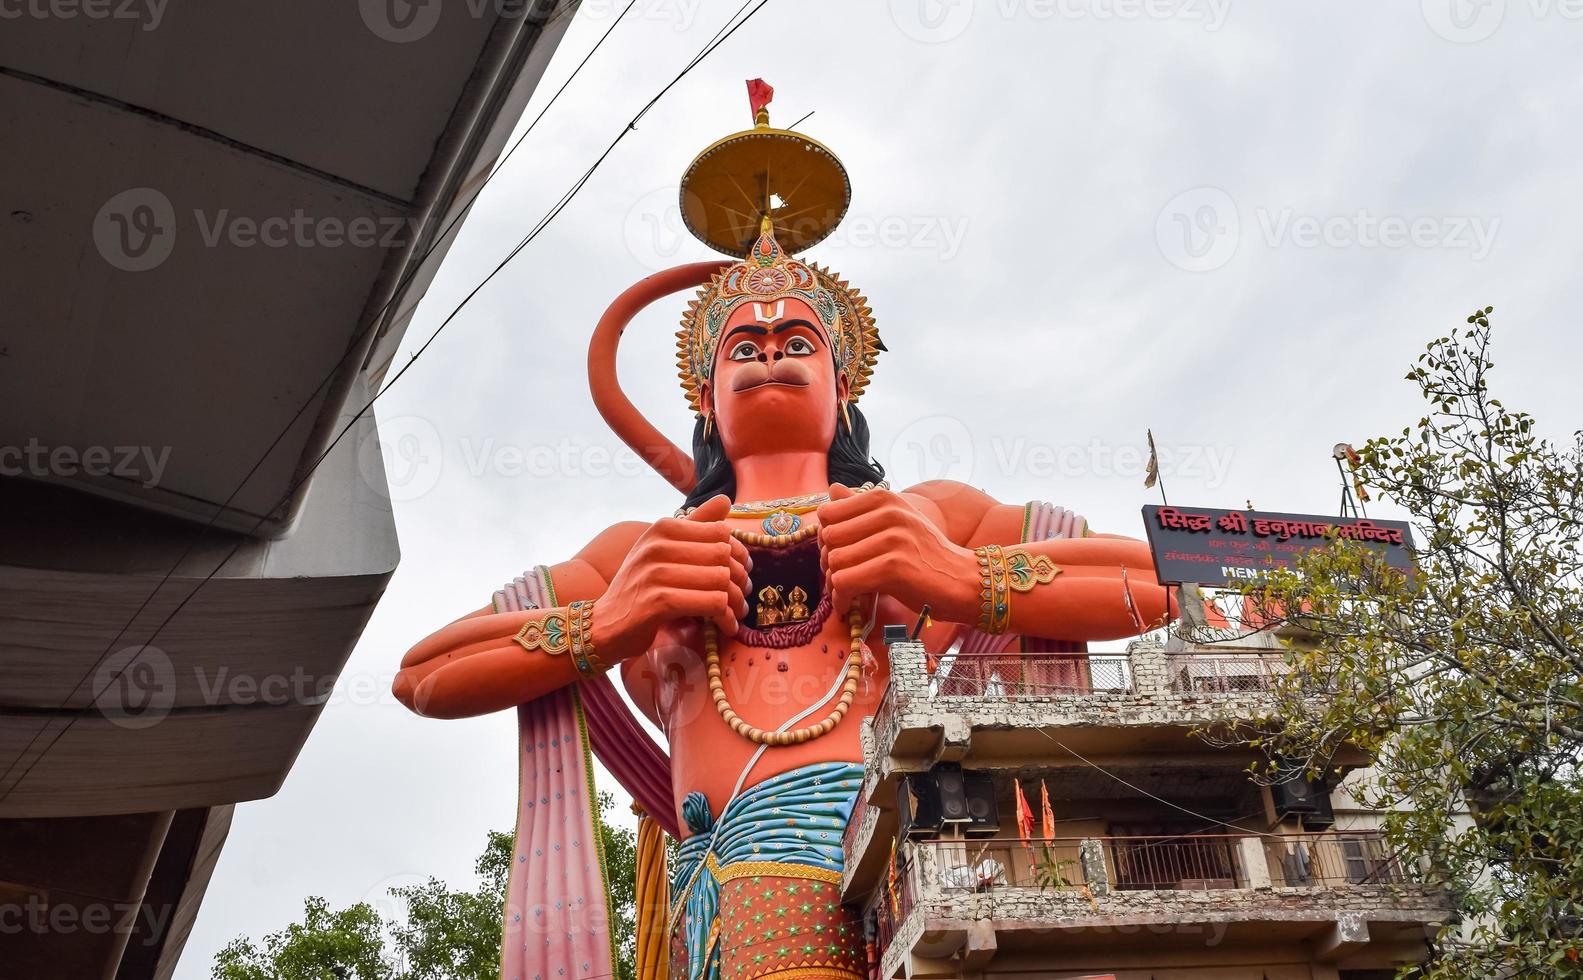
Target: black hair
849, 461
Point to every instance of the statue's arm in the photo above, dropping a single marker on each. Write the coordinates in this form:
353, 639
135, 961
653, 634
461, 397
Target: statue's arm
1103, 587
638, 576
474, 666
918, 547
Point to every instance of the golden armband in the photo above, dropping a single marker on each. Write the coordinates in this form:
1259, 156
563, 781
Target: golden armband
571, 632
1001, 572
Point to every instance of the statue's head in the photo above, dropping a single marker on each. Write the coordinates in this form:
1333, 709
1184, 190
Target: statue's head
774, 355
773, 386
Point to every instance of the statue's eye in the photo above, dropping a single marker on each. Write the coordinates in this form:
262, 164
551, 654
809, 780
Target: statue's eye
799, 347
744, 351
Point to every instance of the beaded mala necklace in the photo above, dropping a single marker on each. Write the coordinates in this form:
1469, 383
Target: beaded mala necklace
854, 661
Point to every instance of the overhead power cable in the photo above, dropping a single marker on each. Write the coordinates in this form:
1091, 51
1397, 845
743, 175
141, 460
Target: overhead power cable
735, 23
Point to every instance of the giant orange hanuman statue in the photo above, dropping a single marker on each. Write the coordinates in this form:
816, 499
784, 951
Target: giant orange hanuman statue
743, 627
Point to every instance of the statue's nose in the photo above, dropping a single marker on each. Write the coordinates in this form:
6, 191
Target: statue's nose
779, 355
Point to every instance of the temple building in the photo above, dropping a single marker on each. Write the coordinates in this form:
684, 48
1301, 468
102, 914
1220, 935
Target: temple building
1155, 857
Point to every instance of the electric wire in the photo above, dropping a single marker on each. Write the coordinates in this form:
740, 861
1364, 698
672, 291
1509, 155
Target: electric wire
720, 37
414, 267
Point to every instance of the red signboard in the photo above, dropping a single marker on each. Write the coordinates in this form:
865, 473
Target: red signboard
1224, 547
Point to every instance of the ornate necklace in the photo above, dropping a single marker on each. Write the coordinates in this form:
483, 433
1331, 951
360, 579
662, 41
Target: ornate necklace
791, 505
796, 736
796, 535
800, 504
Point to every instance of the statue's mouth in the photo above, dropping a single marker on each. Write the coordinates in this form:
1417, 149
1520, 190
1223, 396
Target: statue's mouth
788, 374
743, 385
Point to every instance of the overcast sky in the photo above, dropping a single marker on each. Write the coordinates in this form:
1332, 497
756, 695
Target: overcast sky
1234, 223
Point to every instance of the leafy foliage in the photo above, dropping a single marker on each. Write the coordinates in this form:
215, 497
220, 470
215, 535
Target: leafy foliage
1466, 678
445, 934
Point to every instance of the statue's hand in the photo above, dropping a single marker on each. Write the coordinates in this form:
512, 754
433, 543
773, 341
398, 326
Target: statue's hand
680, 567
877, 542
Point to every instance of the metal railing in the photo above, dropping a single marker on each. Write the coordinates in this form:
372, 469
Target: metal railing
1188, 862
1332, 859
1228, 673
1007, 862
1030, 675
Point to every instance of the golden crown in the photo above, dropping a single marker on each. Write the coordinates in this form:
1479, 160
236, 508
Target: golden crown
766, 275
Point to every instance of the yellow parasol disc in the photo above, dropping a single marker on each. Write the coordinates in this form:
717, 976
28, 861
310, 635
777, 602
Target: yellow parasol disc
737, 181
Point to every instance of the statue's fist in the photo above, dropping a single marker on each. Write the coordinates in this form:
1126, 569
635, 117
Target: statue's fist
878, 543
680, 567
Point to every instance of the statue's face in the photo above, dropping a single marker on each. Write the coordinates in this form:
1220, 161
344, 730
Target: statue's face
774, 387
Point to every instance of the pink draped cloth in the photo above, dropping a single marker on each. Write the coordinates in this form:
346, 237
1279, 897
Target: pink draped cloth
557, 916
639, 764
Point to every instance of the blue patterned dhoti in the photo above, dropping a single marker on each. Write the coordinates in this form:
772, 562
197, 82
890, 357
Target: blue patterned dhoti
758, 890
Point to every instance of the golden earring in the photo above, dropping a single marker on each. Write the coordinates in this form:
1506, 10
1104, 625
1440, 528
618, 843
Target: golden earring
709, 424
846, 419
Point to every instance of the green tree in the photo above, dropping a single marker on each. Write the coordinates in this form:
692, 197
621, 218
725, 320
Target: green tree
1466, 677
444, 935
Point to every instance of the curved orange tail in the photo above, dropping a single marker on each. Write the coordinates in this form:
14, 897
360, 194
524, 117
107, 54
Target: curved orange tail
668, 459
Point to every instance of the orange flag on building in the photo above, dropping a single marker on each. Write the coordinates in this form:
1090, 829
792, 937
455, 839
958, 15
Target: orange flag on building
1024, 815
1049, 814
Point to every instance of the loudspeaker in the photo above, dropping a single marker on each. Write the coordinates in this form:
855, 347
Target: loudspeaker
1306, 798
980, 791
918, 806
949, 778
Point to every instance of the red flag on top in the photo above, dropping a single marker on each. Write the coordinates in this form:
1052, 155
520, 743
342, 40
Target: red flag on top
1024, 815
759, 95
1049, 814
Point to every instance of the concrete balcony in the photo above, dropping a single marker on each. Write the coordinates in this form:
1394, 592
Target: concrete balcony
1081, 713
1286, 906
1005, 704
1011, 711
